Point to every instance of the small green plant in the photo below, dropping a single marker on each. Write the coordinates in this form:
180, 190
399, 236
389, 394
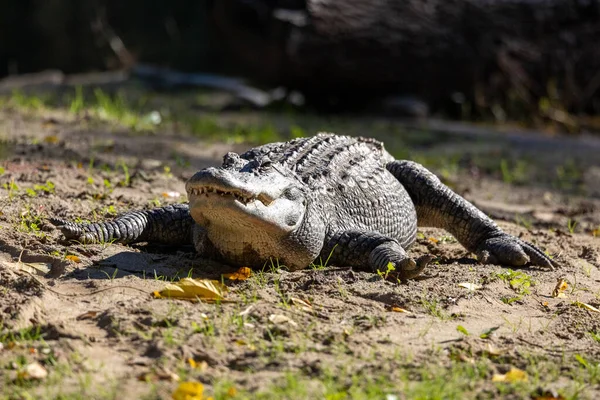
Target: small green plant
37, 189
126, 182
524, 222
447, 239
207, 327
519, 281
322, 265
108, 187
26, 102
12, 188
30, 334
77, 103
489, 332
595, 335
568, 175
389, 268
31, 222
571, 225
511, 299
462, 330
516, 173
111, 277
110, 210
434, 308
297, 132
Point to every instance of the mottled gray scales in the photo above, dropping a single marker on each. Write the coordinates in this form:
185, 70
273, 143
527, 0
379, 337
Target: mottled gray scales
325, 197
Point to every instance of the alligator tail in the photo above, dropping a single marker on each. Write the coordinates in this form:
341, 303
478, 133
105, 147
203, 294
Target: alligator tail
168, 225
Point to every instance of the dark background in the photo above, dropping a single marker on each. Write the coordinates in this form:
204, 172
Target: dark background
522, 60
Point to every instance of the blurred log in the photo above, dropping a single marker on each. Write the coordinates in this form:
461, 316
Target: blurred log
507, 58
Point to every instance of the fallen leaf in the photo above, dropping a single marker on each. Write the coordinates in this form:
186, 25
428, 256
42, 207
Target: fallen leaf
51, 139
159, 375
494, 351
586, 306
470, 286
247, 310
489, 332
240, 275
87, 315
514, 375
188, 391
544, 304
547, 395
301, 304
400, 310
280, 319
202, 365
171, 195
191, 289
433, 240
462, 330
73, 258
33, 371
560, 287
40, 269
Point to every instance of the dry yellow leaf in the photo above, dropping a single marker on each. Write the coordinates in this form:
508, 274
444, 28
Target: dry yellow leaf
494, 351
280, 319
240, 275
171, 195
400, 310
32, 371
33, 268
470, 286
87, 315
433, 240
514, 375
202, 365
51, 139
302, 304
586, 306
73, 258
191, 289
547, 395
560, 287
189, 391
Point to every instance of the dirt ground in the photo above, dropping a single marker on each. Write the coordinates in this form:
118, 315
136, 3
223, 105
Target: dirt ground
85, 313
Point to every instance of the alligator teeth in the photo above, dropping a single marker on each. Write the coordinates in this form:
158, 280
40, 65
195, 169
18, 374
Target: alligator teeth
242, 199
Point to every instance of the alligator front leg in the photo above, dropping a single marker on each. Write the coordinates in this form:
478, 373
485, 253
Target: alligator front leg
356, 248
168, 225
438, 206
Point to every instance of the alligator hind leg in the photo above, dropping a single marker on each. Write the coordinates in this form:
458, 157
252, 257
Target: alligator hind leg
168, 225
438, 206
356, 248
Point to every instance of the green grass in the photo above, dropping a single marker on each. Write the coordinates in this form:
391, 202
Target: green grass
439, 378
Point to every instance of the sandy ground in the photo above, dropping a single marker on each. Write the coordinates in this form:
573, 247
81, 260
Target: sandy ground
104, 335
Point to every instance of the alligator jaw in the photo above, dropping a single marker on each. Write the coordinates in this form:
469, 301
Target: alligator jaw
241, 196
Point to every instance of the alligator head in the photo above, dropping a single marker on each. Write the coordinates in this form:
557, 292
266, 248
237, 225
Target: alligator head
251, 210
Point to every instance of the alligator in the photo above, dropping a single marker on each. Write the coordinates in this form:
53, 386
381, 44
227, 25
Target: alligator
327, 197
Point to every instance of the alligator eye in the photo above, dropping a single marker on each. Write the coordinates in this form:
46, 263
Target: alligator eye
266, 165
